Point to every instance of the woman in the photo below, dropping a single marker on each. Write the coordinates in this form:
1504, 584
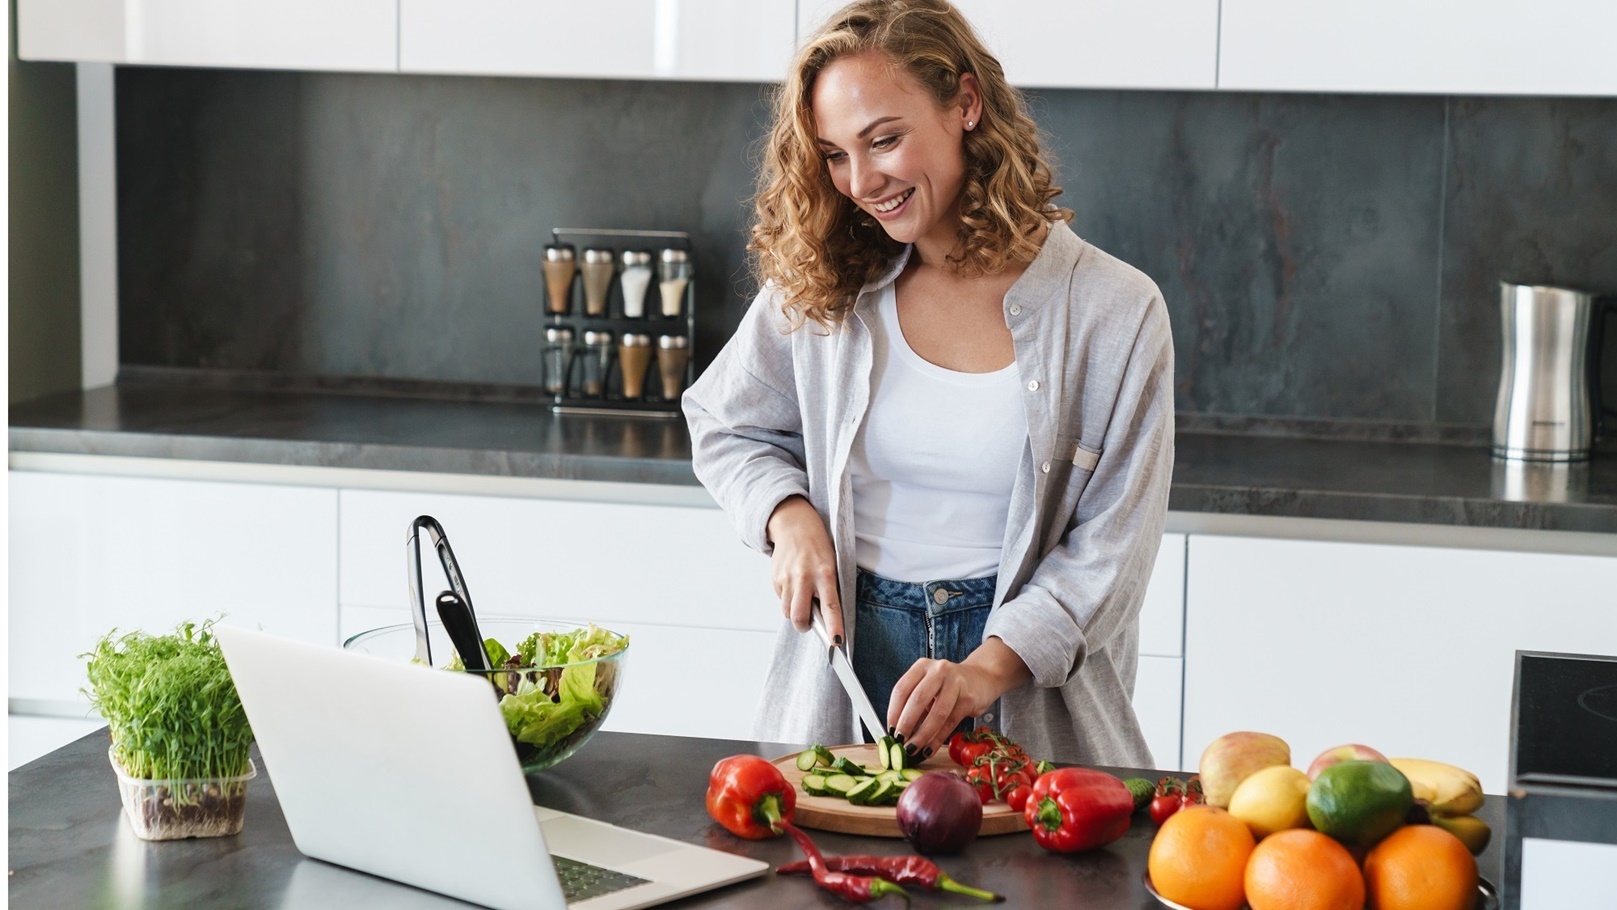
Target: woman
947, 419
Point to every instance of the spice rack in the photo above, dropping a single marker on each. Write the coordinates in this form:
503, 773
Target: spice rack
586, 379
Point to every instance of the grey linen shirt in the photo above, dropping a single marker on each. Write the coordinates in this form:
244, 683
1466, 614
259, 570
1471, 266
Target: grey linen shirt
776, 415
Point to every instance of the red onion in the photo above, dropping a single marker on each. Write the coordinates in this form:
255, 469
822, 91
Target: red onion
939, 813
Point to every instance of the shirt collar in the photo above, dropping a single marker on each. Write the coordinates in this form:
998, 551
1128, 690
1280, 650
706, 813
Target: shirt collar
1056, 258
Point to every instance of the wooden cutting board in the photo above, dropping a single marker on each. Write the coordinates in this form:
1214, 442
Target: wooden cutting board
829, 813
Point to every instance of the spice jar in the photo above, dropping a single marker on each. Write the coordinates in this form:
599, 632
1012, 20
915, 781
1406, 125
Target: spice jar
597, 358
561, 261
673, 353
675, 271
597, 269
558, 356
634, 358
635, 279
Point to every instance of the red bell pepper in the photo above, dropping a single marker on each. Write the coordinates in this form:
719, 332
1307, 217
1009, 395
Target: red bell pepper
1075, 809
749, 797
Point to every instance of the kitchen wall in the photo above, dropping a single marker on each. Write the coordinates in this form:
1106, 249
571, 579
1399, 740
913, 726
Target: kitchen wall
1324, 258
43, 228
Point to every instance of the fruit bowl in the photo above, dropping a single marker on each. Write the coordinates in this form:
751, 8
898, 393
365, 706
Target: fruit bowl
1487, 897
553, 703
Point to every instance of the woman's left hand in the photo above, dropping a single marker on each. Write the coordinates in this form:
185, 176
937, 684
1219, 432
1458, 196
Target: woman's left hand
934, 696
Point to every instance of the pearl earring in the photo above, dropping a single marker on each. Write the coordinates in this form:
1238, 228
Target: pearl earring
970, 124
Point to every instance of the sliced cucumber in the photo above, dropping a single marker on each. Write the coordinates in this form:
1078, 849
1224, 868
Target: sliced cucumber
839, 784
814, 785
825, 756
912, 773
884, 748
845, 765
891, 777
861, 793
807, 759
896, 758
885, 789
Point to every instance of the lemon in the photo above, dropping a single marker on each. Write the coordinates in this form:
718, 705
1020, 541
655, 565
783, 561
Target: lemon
1271, 800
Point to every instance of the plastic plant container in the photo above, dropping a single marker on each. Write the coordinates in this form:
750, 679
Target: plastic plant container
398, 643
178, 809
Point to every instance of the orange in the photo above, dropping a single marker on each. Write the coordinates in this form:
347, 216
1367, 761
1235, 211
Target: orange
1198, 858
1299, 869
1420, 867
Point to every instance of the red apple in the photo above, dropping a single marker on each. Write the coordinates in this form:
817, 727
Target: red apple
1233, 757
1349, 752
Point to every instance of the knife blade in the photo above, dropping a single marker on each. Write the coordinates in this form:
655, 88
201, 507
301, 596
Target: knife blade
843, 668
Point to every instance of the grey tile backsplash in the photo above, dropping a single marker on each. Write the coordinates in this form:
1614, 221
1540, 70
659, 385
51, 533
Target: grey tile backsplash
1324, 257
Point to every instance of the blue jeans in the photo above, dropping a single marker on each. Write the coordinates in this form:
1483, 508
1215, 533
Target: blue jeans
900, 622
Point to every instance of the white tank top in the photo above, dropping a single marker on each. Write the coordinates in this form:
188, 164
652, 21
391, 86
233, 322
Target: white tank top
933, 463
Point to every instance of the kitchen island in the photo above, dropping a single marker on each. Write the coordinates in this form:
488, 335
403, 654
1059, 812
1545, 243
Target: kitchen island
70, 847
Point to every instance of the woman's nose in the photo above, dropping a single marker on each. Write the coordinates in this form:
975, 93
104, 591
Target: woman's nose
863, 180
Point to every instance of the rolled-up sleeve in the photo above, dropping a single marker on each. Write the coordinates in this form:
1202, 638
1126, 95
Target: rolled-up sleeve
1093, 581
746, 425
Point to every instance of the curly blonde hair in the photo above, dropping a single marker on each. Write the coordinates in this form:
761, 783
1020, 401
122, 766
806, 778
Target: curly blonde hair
814, 244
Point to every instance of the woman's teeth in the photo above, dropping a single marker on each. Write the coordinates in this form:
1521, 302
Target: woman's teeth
886, 207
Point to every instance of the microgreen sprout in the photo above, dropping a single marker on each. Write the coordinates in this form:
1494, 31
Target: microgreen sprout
170, 703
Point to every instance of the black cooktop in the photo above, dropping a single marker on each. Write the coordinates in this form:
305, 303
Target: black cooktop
1565, 719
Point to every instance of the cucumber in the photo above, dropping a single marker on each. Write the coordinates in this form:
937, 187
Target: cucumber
814, 785
897, 758
839, 784
891, 777
912, 773
845, 765
862, 791
885, 790
807, 759
825, 756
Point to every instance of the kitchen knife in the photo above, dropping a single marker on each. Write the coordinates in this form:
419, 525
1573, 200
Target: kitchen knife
850, 680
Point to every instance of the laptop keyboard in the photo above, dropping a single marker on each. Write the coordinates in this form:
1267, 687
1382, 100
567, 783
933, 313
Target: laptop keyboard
582, 881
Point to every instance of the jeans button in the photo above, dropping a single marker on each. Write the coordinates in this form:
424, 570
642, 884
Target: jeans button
940, 596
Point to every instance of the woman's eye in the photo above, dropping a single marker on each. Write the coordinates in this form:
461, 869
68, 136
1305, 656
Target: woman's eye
884, 142
832, 157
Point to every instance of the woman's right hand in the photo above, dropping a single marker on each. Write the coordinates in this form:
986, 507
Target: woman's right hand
804, 565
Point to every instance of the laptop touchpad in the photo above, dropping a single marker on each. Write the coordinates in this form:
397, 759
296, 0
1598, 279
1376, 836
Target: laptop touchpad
600, 843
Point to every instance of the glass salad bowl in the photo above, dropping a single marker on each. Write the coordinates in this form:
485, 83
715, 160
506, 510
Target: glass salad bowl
555, 681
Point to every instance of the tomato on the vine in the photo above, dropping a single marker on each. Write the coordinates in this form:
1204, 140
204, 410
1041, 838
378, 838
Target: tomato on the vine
1164, 806
982, 781
1018, 797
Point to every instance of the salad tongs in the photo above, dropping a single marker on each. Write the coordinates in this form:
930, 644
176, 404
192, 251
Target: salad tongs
457, 584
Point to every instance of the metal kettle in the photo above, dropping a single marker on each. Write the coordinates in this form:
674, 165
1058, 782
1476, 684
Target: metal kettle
1549, 406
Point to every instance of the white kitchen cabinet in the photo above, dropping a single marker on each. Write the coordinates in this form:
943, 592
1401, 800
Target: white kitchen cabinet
1552, 47
89, 553
701, 40
611, 563
285, 34
1157, 44
1410, 650
1158, 684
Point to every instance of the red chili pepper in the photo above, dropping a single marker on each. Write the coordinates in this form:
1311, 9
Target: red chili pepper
749, 797
1075, 809
902, 870
858, 889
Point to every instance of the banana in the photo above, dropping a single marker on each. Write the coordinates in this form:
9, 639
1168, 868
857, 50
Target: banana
1446, 790
1472, 831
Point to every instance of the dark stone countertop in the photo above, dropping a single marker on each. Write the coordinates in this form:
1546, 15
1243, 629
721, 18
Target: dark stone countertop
1229, 473
70, 846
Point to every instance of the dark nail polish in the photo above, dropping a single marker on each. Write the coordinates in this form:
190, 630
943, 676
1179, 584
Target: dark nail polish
927, 753
899, 737
910, 751
889, 731
837, 640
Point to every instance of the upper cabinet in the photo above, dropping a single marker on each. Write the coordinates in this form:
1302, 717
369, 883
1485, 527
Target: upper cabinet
285, 34
698, 40
1153, 44
1488, 47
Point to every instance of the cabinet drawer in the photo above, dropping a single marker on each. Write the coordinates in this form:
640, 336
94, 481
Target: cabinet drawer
611, 563
1162, 615
1157, 699
92, 553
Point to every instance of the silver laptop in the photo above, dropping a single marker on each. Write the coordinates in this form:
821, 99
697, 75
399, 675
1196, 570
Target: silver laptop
409, 774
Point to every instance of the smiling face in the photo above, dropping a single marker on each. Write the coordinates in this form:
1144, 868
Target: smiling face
893, 150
